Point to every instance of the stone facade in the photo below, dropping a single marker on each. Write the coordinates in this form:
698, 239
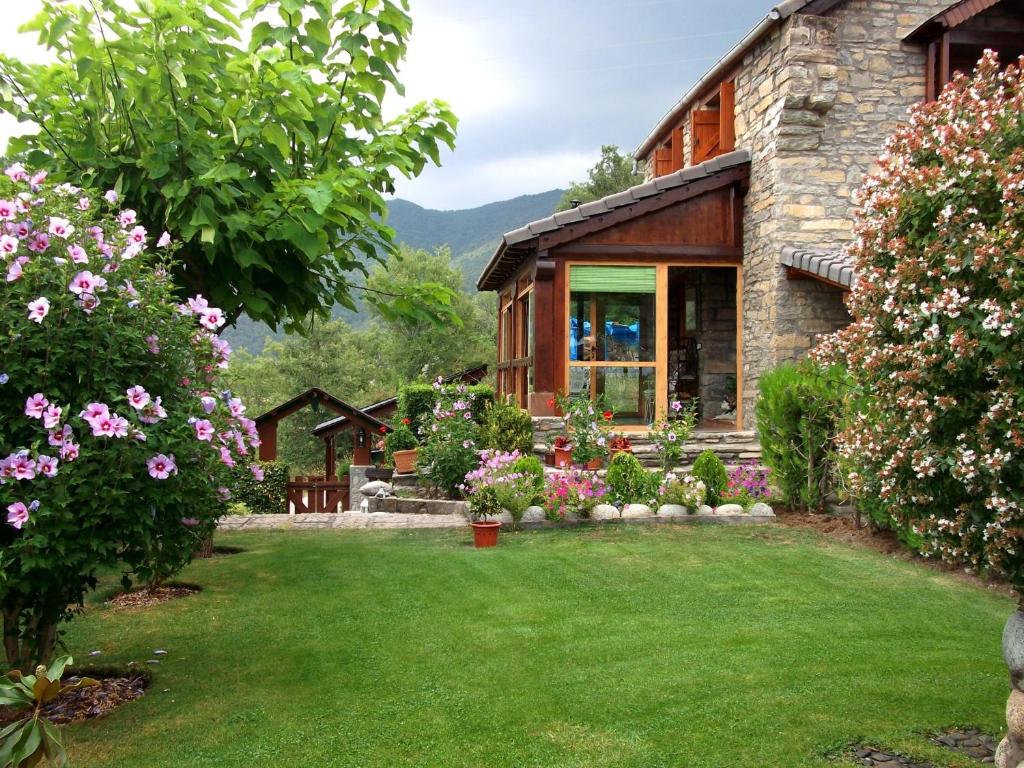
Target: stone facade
717, 337
816, 99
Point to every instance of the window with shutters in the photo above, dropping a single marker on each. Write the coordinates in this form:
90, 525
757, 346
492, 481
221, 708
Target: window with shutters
713, 130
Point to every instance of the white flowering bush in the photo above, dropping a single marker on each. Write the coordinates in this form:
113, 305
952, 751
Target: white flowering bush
935, 349
115, 439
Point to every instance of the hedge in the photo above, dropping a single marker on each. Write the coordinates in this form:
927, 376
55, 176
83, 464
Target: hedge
416, 402
269, 497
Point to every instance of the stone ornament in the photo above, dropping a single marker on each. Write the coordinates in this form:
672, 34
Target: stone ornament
1010, 753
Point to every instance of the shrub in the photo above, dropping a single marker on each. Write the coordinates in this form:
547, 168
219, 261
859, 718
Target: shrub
684, 490
506, 427
503, 481
710, 470
671, 432
934, 349
572, 492
115, 432
799, 411
628, 481
268, 496
449, 450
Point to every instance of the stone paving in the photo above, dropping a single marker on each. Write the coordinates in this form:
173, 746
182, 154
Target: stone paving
339, 520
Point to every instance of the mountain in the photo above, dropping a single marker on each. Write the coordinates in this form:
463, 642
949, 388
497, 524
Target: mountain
471, 233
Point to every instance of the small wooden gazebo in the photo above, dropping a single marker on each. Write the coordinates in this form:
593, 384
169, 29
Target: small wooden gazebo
363, 426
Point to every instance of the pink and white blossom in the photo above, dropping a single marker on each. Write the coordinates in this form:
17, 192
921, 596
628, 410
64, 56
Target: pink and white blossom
38, 309
17, 513
35, 405
161, 466
138, 397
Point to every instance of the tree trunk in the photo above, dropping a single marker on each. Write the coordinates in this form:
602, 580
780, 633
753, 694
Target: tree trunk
204, 549
33, 645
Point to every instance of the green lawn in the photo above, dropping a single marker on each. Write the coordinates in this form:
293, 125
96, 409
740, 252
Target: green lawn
626, 646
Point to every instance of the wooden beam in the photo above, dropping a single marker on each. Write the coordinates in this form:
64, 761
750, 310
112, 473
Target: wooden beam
793, 273
661, 252
944, 65
931, 92
986, 39
667, 198
661, 342
544, 320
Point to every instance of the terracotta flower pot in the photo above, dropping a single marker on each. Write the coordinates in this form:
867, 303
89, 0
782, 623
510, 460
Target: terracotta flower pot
595, 463
485, 533
405, 461
563, 457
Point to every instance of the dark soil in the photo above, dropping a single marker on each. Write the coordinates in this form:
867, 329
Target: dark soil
117, 686
143, 598
219, 551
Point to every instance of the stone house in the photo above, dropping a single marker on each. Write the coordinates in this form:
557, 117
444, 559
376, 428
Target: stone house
728, 259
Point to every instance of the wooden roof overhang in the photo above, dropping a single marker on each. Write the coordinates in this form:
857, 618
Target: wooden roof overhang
316, 395
949, 19
584, 230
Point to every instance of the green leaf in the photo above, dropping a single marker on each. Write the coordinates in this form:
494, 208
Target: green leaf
277, 136
208, 234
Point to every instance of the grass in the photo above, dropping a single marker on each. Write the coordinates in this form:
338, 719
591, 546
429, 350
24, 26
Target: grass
625, 646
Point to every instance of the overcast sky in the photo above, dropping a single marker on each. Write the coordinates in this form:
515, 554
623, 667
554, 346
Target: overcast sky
538, 85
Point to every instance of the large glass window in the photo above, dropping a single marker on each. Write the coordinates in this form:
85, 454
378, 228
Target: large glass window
612, 319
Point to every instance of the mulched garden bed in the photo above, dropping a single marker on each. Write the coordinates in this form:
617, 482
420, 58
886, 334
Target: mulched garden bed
223, 551
966, 741
117, 686
143, 598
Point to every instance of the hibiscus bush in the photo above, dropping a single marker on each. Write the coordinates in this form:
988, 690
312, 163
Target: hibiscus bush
115, 437
449, 444
935, 347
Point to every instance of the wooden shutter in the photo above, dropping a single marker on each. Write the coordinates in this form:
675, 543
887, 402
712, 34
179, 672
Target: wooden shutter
677, 150
727, 117
662, 161
705, 135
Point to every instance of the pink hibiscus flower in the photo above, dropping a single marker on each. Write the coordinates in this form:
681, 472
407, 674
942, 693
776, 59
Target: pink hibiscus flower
161, 467
36, 405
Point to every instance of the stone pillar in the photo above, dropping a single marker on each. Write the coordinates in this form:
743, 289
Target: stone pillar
1010, 753
356, 480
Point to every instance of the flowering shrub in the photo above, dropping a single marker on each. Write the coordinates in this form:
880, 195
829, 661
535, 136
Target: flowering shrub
448, 449
582, 416
114, 436
265, 496
938, 310
671, 432
747, 485
502, 481
682, 489
572, 492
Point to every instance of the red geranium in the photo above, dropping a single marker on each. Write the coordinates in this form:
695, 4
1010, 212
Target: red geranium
406, 421
608, 415
383, 429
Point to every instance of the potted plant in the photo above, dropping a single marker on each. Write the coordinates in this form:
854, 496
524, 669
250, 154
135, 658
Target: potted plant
402, 446
563, 451
620, 444
588, 438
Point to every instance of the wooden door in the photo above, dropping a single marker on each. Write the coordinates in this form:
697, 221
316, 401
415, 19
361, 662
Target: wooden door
706, 135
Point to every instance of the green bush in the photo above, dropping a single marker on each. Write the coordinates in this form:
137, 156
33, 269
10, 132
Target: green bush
710, 470
530, 466
799, 413
416, 402
629, 482
506, 427
269, 497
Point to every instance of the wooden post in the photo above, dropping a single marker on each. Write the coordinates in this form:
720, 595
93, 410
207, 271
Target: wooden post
268, 440
329, 462
661, 341
930, 91
944, 65
545, 328
360, 446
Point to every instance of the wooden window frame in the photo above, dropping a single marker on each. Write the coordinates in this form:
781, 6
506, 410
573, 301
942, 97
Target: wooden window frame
660, 364
514, 357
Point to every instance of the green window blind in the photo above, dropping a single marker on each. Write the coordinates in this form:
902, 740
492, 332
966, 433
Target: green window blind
613, 279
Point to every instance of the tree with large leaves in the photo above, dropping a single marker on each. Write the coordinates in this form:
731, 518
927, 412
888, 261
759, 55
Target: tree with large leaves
260, 141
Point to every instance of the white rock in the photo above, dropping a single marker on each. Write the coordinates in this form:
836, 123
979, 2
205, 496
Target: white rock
672, 510
505, 517
604, 512
729, 509
533, 515
704, 509
636, 510
374, 487
762, 509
